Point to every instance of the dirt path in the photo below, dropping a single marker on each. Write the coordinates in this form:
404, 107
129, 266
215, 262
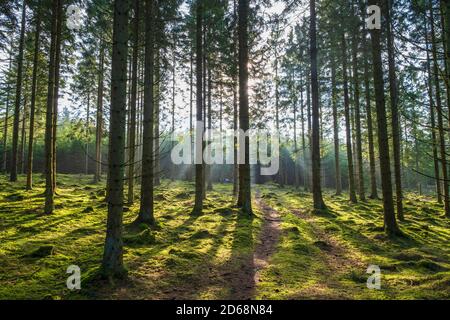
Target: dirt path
244, 281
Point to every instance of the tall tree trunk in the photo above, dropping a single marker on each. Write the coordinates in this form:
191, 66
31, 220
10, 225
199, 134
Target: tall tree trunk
191, 108
439, 115
5, 128
56, 88
351, 174
302, 116
338, 183
390, 223
88, 123
245, 200
199, 144
21, 155
396, 130
309, 133
359, 157
99, 118
113, 253
432, 117
295, 112
373, 177
49, 123
132, 122
235, 103
315, 154
15, 141
146, 214
174, 69
157, 107
34, 80
209, 167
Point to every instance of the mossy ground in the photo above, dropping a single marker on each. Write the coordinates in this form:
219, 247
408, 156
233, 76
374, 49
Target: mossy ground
211, 256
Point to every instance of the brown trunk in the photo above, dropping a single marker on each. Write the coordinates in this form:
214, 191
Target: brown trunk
337, 165
390, 223
439, 115
146, 214
315, 154
132, 122
99, 119
245, 200
351, 175
358, 137
112, 265
15, 140
37, 35
199, 145
396, 130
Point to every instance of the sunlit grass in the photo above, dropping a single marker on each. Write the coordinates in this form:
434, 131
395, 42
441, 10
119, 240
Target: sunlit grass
195, 257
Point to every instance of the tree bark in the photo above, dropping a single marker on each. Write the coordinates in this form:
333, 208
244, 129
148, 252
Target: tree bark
99, 118
34, 81
390, 223
351, 174
338, 183
132, 122
245, 200
359, 157
112, 265
146, 214
373, 177
315, 154
396, 130
15, 139
439, 115
432, 117
199, 144
49, 123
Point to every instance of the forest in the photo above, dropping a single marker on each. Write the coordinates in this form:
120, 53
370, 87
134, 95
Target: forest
224, 149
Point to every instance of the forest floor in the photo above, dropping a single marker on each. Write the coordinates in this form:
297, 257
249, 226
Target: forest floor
284, 251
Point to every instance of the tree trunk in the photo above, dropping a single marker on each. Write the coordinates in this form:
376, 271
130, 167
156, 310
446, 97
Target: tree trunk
209, 167
359, 157
146, 214
235, 104
396, 130
338, 183
37, 35
439, 115
15, 141
199, 144
390, 223
245, 200
132, 122
373, 177
99, 119
49, 132
351, 174
432, 118
88, 112
112, 265
315, 154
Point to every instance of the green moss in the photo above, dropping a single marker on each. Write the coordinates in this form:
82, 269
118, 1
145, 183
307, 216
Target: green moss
316, 255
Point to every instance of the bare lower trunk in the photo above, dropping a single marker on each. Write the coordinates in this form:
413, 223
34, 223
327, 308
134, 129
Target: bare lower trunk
315, 154
351, 174
15, 140
390, 223
112, 265
245, 200
146, 214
